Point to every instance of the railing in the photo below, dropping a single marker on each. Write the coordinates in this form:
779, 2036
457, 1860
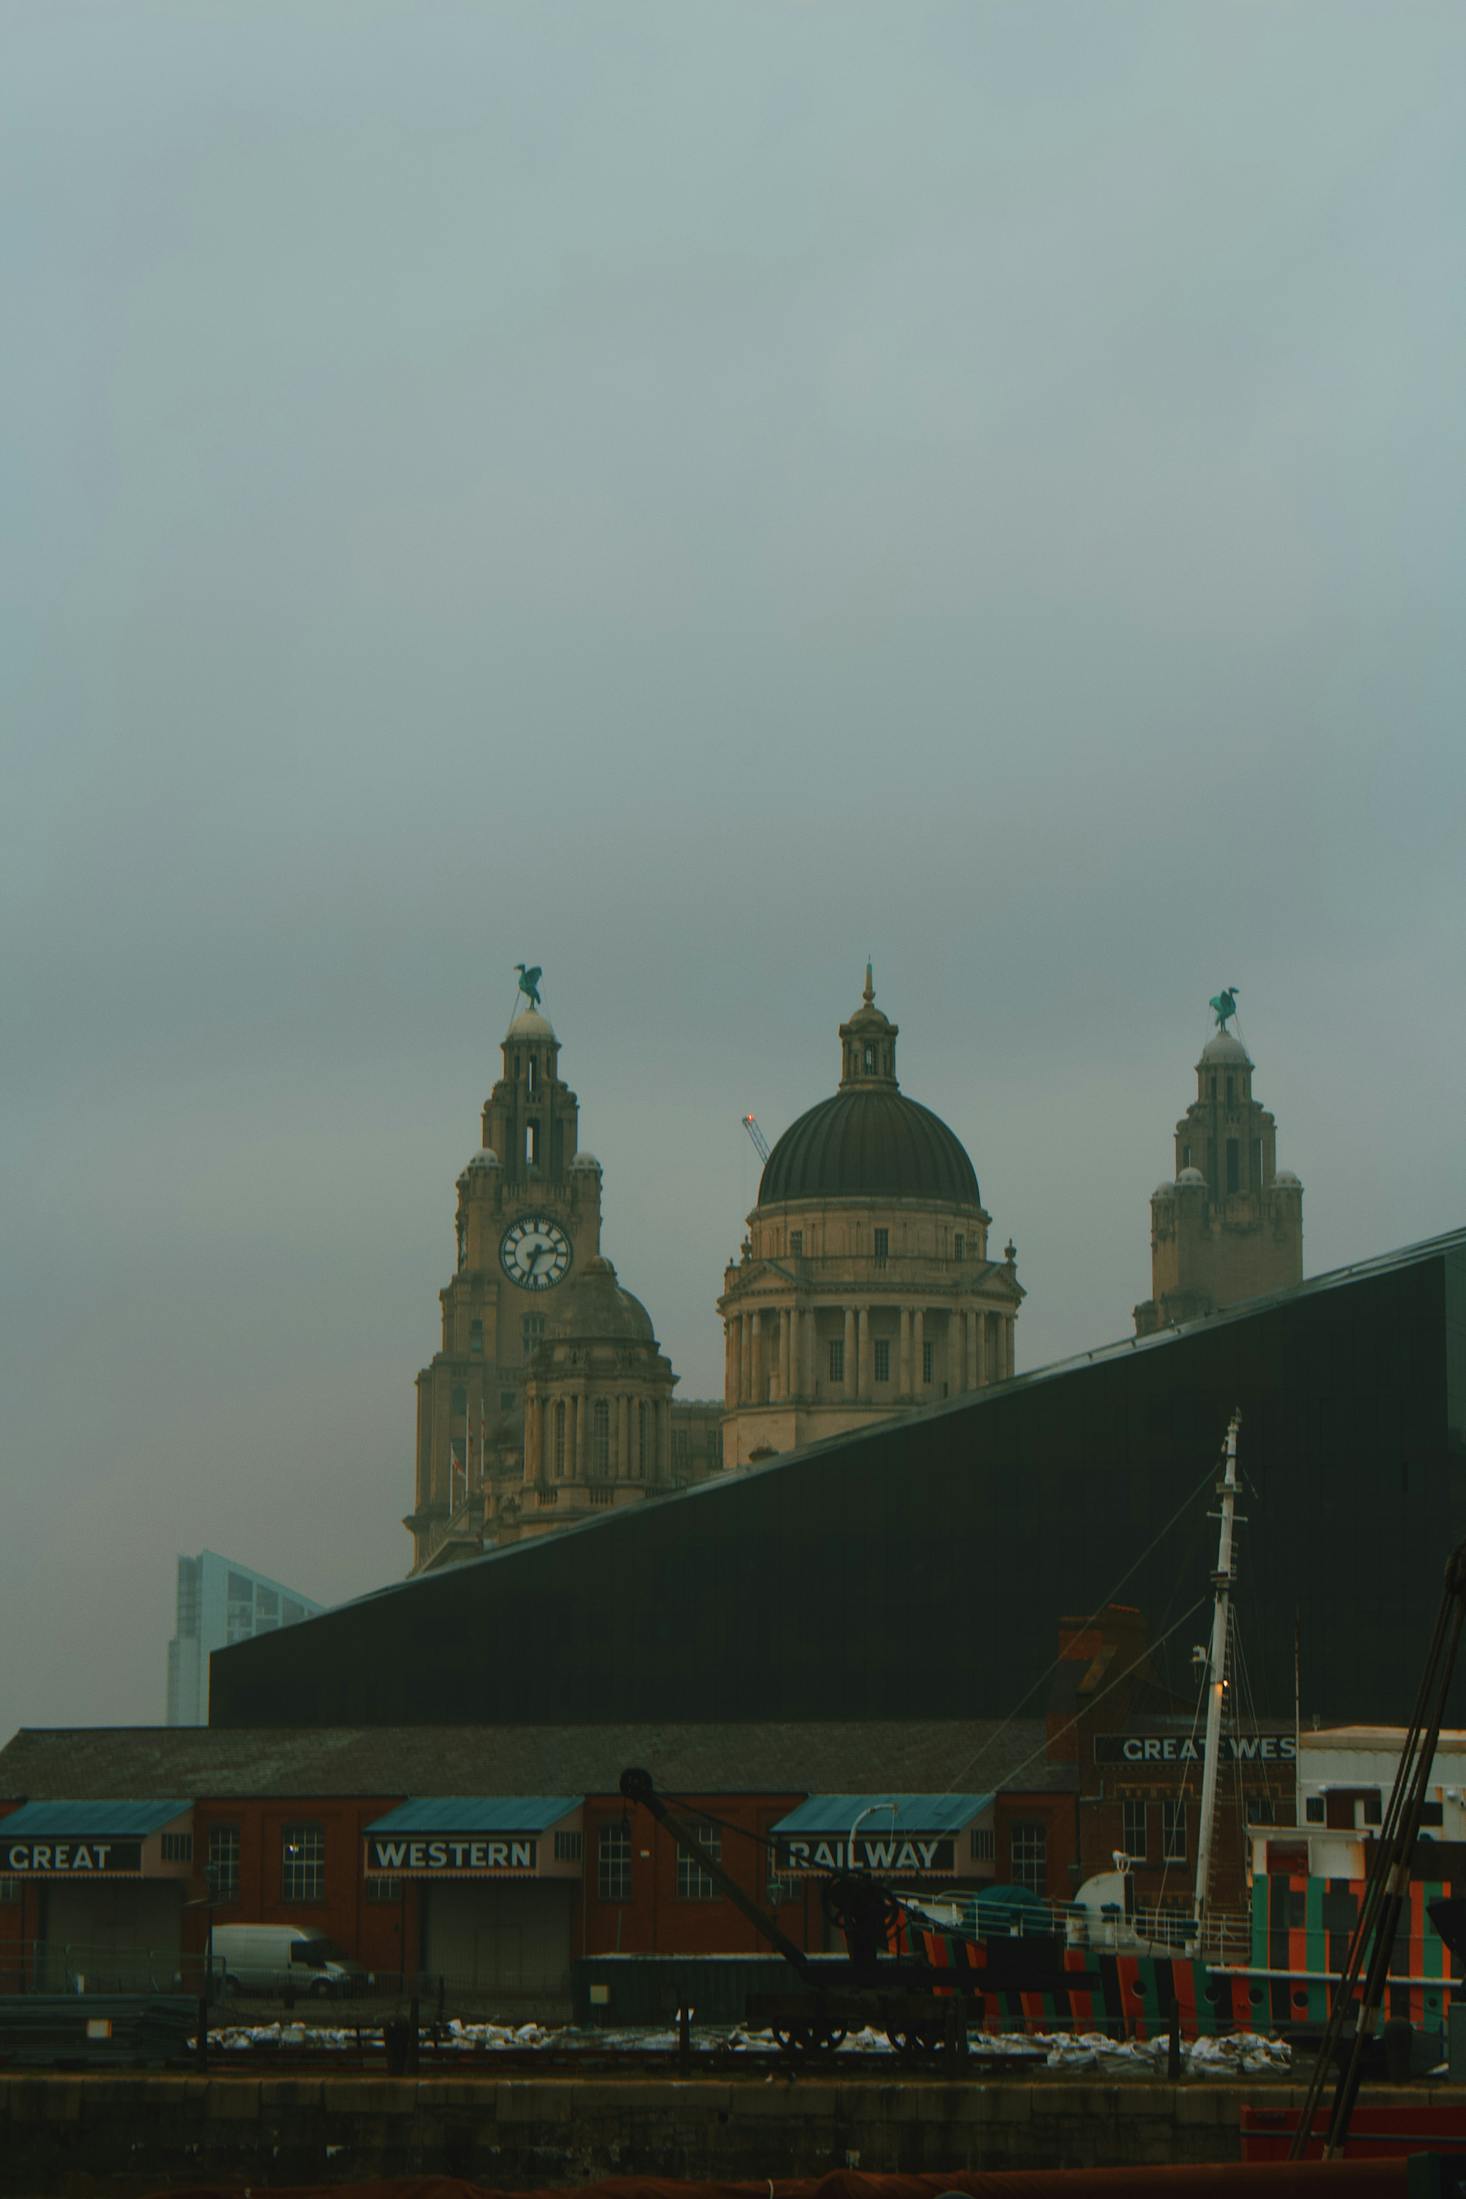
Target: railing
1224, 1937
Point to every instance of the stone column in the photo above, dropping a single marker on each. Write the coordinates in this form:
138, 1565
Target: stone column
904, 1378
851, 1339
625, 1438
730, 1360
786, 1351
979, 1350
759, 1392
745, 1358
865, 1378
1010, 1337
664, 1440
918, 1340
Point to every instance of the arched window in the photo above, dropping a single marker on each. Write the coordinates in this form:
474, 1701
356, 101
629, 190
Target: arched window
560, 1438
870, 1060
600, 1437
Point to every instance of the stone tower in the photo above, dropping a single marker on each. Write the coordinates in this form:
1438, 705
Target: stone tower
1231, 1225
528, 1220
864, 1288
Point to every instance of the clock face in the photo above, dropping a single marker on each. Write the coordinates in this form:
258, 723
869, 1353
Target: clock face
535, 1252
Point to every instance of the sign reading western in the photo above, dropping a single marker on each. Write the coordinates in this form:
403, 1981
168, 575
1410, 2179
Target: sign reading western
896, 1852
1185, 1748
443, 1853
60, 1858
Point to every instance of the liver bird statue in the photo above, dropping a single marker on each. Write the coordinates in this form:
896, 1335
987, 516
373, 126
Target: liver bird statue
529, 983
1222, 1004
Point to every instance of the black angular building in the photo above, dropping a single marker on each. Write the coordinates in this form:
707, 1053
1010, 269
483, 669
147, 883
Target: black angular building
918, 1569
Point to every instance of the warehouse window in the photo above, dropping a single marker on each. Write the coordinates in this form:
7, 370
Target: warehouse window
223, 1864
693, 1882
1028, 1847
384, 1889
1173, 1831
567, 1847
303, 1862
10, 1889
982, 1843
613, 1863
1132, 1828
883, 1359
177, 1847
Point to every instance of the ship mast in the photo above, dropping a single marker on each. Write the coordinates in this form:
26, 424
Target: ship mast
1216, 1676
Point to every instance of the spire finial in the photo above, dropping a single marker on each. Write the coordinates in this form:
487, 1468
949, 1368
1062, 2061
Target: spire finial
870, 986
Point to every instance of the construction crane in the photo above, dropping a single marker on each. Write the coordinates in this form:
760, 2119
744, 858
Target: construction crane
760, 1142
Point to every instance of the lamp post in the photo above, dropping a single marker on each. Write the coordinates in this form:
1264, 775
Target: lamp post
860, 1818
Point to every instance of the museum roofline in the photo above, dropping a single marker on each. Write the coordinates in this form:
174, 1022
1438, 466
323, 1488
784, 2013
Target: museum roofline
721, 1485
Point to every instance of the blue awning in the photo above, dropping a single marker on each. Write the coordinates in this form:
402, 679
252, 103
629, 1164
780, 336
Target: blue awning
89, 1820
477, 1813
832, 1815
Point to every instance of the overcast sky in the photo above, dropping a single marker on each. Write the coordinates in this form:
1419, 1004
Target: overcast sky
689, 495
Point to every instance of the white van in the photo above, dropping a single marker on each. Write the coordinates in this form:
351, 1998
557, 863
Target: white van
282, 1959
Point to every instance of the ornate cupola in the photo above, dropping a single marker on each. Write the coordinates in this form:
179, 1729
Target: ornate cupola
868, 1043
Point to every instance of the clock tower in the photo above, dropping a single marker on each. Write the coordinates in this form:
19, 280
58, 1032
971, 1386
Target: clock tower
528, 1223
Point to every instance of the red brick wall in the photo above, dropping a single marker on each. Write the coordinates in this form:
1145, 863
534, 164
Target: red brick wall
381, 1935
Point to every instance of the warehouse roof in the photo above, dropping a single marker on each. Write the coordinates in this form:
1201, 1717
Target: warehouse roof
910, 1755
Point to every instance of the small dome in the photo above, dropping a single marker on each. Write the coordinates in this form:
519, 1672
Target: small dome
1224, 1046
529, 1023
486, 1158
588, 1161
596, 1308
1163, 1190
1285, 1180
1190, 1176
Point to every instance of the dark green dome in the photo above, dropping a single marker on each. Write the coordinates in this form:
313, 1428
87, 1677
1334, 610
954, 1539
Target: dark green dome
869, 1143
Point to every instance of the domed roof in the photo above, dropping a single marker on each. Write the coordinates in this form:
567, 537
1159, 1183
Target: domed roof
869, 1143
486, 1157
529, 1023
1190, 1176
594, 1306
1287, 1181
1163, 1190
587, 1160
1225, 1046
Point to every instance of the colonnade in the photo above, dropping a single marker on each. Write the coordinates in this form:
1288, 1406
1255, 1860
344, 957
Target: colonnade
770, 1352
565, 1440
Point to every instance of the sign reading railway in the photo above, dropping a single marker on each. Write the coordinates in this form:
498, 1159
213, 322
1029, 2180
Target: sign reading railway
907, 1853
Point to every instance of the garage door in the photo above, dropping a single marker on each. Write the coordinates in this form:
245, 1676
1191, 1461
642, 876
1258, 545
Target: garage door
118, 1938
504, 1947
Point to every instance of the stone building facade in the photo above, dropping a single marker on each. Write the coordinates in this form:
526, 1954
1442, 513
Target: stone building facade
1231, 1224
864, 1288
547, 1396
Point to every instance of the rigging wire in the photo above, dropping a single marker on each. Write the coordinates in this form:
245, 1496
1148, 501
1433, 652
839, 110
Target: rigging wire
1206, 1482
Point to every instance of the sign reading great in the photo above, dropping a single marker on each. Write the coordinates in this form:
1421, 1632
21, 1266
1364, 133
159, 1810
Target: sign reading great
434, 1857
63, 1858
1189, 1748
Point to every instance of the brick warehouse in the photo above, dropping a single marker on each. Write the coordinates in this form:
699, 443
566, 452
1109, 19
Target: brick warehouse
921, 1565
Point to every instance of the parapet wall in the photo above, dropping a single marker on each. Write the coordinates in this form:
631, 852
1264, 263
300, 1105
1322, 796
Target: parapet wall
62, 2137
